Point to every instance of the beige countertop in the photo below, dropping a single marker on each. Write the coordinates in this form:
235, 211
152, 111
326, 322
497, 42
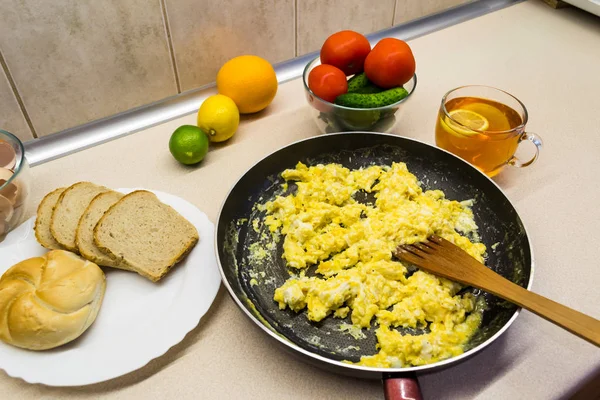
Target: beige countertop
549, 59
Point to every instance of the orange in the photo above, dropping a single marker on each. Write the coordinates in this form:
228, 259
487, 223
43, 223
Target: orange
250, 81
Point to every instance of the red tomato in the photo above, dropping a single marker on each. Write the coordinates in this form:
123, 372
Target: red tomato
346, 50
327, 82
390, 64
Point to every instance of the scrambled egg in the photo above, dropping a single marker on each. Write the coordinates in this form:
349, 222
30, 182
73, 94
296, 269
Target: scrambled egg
351, 243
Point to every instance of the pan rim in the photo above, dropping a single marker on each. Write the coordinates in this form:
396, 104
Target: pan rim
359, 368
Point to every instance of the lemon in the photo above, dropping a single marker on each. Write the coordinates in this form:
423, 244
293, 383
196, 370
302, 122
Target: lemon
250, 81
219, 117
500, 120
469, 122
188, 144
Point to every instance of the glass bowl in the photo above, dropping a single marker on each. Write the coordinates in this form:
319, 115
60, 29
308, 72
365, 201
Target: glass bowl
331, 117
14, 182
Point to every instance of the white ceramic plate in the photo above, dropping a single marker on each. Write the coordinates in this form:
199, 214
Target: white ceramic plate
139, 320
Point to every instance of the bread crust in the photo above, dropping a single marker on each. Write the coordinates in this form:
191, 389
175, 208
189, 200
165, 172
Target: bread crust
57, 235
154, 277
89, 255
37, 228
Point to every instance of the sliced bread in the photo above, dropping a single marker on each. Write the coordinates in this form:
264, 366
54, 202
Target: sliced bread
71, 205
85, 230
145, 235
42, 220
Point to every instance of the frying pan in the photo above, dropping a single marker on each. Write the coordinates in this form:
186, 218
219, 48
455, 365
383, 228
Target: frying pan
252, 282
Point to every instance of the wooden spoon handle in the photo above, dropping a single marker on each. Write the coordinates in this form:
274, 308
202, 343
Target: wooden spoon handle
582, 325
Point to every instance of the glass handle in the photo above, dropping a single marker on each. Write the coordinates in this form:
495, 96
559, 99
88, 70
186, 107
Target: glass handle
537, 141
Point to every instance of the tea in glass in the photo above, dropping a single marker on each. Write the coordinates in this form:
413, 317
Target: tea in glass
484, 126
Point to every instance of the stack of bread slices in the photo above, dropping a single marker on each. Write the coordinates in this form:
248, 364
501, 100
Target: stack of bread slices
134, 232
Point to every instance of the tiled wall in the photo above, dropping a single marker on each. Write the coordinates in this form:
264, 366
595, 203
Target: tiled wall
68, 62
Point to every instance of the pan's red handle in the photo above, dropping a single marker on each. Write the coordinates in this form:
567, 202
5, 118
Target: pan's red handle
401, 386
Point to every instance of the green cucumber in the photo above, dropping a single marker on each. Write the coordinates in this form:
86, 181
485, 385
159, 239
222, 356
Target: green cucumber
371, 88
358, 81
381, 99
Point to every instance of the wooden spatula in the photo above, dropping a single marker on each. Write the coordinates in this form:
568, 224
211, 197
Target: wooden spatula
443, 258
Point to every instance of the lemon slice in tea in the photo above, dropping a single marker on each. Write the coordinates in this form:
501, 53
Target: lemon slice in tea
497, 115
467, 120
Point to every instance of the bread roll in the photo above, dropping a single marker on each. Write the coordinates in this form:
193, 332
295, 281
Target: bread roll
48, 301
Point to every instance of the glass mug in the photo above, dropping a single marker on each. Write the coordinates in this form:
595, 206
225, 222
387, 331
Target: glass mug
484, 126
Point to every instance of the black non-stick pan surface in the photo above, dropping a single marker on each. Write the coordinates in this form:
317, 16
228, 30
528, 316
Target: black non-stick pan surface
252, 283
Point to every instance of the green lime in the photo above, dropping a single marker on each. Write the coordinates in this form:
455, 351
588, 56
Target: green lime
188, 144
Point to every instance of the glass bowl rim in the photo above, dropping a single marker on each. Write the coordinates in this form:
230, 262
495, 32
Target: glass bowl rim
20, 158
